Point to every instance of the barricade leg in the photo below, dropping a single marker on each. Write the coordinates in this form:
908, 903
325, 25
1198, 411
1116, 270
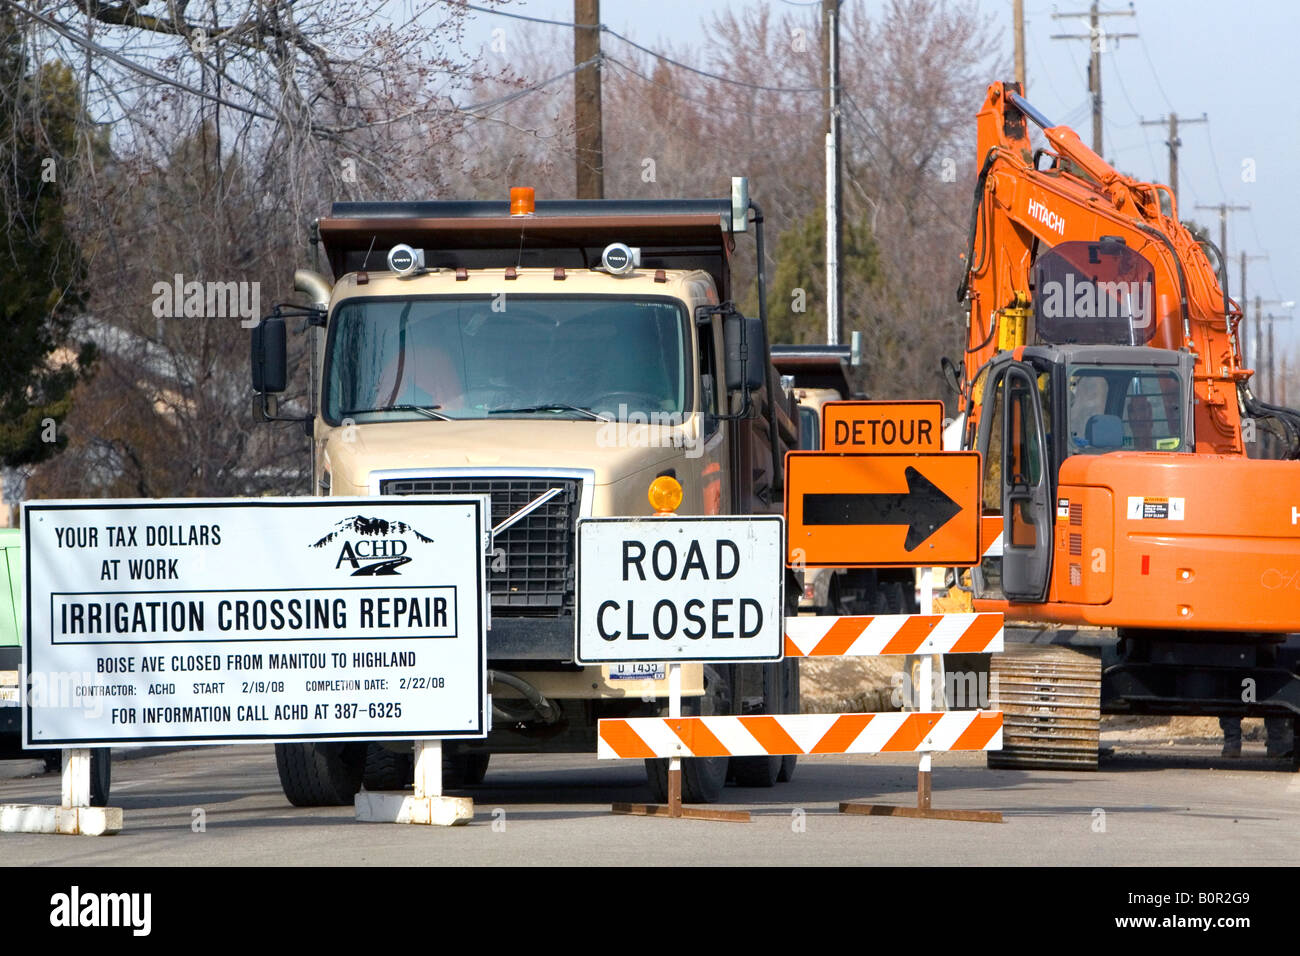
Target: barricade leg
674, 808
75, 816
427, 805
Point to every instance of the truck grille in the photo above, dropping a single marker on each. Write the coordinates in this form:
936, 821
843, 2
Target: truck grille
532, 574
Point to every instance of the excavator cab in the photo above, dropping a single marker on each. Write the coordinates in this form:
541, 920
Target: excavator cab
1053, 402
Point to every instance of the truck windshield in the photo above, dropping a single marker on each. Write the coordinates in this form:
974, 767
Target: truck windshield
505, 356
1125, 409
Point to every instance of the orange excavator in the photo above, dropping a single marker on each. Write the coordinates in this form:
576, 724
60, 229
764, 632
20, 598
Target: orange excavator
1132, 523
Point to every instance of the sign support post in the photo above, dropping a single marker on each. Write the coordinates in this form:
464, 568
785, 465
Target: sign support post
76, 778
674, 808
428, 768
884, 495
75, 815
926, 702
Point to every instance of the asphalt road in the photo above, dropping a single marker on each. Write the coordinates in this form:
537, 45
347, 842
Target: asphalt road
1154, 807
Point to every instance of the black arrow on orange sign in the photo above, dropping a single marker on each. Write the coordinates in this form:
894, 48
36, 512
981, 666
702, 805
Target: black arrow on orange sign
924, 508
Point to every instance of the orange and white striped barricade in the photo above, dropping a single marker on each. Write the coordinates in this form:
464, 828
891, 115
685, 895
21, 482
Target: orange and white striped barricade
923, 732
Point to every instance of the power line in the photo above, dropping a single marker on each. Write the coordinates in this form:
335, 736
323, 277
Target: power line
944, 213
712, 76
516, 94
523, 16
1214, 159
129, 64
711, 104
1096, 36
1155, 74
646, 50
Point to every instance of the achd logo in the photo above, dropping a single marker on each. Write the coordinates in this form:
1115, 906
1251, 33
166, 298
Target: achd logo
378, 547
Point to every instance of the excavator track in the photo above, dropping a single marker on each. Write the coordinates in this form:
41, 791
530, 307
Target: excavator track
1050, 698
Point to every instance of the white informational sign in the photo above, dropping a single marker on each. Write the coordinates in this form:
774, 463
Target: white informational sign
680, 589
204, 621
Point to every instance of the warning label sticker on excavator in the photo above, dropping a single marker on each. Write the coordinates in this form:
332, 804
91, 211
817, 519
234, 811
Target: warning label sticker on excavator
1168, 509
882, 426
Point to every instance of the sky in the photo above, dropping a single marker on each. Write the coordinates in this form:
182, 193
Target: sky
1236, 63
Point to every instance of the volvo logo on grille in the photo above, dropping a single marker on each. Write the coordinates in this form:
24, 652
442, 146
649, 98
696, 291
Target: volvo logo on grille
378, 548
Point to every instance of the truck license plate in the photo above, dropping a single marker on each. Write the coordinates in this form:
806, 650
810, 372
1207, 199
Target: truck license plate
637, 671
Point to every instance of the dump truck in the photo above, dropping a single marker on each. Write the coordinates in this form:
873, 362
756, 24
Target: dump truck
558, 356
1104, 383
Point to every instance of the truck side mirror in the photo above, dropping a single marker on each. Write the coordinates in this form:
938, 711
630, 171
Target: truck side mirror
745, 347
268, 356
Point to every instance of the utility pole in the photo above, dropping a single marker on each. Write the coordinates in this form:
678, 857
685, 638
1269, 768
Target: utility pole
1272, 319
1265, 367
1018, 13
834, 192
1223, 209
1096, 37
1255, 351
1173, 142
587, 120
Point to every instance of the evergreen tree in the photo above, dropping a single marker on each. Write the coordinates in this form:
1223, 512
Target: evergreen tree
797, 298
41, 271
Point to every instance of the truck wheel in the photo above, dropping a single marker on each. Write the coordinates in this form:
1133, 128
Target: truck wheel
757, 771
320, 775
783, 698
101, 776
702, 777
792, 706
462, 769
387, 769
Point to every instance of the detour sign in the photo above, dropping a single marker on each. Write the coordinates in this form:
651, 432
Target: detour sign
882, 426
872, 511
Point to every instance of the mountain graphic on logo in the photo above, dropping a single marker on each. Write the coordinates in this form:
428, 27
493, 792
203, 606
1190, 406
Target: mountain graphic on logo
371, 528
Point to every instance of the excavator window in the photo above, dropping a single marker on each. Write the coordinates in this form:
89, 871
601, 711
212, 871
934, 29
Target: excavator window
1124, 409
992, 484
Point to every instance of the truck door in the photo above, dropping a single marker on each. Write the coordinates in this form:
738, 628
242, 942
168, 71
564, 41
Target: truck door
1027, 513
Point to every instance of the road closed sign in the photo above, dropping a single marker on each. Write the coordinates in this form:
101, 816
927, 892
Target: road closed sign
279, 619
680, 588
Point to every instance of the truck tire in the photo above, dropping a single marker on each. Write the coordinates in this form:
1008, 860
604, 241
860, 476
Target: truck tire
387, 769
756, 771
703, 778
462, 769
320, 774
782, 696
101, 776
792, 706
